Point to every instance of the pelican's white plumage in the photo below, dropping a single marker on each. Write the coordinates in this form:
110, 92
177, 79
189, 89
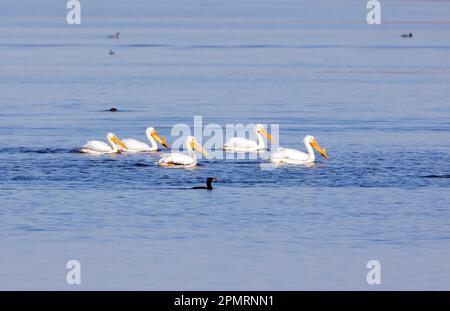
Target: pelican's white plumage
245, 145
294, 156
135, 145
99, 147
178, 159
181, 159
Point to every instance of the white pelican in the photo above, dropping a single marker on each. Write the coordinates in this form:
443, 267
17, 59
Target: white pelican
134, 145
99, 147
181, 159
293, 156
243, 144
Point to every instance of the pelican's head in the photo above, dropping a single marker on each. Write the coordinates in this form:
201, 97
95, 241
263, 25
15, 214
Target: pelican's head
112, 137
313, 142
195, 145
153, 133
261, 130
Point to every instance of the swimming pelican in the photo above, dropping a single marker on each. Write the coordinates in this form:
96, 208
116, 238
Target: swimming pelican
243, 144
293, 156
181, 159
139, 146
99, 147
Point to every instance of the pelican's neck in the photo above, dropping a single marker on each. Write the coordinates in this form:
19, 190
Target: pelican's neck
260, 140
151, 139
191, 152
312, 156
113, 145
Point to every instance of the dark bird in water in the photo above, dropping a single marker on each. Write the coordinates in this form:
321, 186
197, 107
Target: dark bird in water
114, 36
208, 184
407, 35
113, 109
111, 52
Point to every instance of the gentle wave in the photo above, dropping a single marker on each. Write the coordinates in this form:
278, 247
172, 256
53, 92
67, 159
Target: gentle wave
16, 150
229, 46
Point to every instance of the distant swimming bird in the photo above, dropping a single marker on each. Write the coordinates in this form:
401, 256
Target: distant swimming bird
99, 147
111, 52
134, 145
208, 184
293, 156
407, 35
245, 145
181, 159
114, 36
113, 109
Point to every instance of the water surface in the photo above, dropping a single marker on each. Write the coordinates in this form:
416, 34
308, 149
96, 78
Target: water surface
377, 102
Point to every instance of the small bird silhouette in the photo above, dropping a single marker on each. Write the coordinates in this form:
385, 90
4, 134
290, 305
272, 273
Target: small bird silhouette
114, 36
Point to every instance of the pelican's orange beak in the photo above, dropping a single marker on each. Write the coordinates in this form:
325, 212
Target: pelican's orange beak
199, 148
322, 151
117, 141
263, 131
160, 139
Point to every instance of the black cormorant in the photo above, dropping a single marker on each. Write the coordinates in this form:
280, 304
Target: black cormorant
208, 184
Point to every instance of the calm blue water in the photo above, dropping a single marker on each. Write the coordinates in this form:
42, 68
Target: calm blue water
377, 102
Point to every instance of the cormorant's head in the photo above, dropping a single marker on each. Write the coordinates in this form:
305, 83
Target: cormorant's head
209, 181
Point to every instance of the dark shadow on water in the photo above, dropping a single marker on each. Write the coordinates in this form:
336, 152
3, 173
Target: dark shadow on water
436, 176
119, 110
37, 150
142, 165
